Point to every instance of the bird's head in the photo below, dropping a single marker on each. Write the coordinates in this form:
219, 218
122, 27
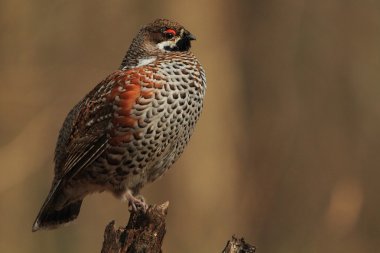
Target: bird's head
159, 37
166, 36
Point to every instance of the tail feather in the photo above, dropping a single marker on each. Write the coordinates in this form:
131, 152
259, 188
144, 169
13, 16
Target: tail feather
50, 216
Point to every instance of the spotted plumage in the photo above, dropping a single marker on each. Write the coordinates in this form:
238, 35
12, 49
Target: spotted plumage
131, 127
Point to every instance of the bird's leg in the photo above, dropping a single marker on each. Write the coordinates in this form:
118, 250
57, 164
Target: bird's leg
135, 203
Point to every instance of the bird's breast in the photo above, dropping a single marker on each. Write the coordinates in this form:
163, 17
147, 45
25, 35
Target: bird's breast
155, 110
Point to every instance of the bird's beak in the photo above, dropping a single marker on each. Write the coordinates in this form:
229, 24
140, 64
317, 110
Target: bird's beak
184, 44
190, 36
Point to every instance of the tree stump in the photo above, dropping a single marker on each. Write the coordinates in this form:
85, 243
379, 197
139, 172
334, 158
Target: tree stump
145, 233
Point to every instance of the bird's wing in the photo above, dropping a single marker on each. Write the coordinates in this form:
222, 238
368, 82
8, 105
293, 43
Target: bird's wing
83, 136
104, 118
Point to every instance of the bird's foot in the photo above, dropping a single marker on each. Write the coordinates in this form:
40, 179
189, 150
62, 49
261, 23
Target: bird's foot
136, 203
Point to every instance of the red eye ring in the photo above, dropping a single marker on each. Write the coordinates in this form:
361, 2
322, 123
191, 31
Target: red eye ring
171, 32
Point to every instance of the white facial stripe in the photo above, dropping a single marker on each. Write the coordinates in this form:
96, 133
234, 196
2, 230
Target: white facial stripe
168, 43
164, 44
146, 61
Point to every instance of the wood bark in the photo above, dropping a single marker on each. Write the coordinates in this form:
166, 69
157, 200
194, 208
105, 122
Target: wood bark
145, 233
238, 245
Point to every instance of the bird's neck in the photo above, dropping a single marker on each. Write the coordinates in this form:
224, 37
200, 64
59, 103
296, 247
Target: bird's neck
135, 51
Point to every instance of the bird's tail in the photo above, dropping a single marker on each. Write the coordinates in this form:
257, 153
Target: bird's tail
53, 215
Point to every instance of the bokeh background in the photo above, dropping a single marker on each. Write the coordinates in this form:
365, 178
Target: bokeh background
286, 153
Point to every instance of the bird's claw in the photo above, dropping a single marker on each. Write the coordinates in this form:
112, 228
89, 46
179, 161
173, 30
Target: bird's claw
136, 203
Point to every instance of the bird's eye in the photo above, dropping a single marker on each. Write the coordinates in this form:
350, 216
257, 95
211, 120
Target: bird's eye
169, 33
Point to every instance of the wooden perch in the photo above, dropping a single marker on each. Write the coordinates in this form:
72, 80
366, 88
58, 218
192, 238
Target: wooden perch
145, 233
237, 245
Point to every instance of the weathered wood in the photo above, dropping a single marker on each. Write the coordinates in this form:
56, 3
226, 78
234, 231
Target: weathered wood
145, 233
236, 245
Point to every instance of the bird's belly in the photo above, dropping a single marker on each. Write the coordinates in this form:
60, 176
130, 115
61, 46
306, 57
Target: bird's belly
132, 166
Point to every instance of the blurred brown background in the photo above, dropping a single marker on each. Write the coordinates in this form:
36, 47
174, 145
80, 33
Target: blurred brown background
286, 153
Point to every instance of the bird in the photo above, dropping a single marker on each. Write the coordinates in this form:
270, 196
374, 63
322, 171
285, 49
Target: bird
131, 127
